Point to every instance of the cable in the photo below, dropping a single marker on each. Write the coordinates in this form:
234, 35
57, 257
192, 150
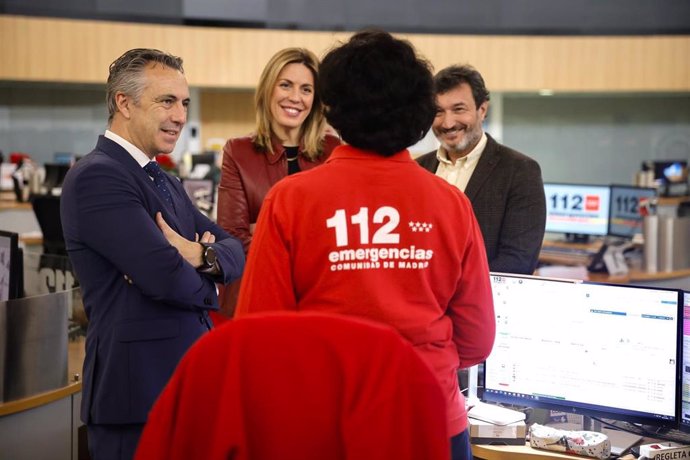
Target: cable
660, 433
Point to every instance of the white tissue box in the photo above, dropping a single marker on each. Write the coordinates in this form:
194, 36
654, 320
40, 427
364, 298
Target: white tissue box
488, 433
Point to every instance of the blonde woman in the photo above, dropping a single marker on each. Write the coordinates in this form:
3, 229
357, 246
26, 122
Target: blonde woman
289, 137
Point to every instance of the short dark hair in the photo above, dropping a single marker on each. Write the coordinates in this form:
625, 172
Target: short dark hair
126, 71
451, 77
378, 93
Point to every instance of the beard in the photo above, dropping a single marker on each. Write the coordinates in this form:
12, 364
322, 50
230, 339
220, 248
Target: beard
470, 138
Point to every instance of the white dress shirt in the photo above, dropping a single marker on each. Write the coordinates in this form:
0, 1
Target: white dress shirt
133, 150
459, 173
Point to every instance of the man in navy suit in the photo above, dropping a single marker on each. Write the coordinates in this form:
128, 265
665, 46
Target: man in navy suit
147, 260
504, 186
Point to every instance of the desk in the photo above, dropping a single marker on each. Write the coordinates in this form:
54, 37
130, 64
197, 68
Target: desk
677, 279
522, 453
75, 361
45, 425
8, 200
641, 277
525, 452
9, 205
672, 201
572, 257
17, 217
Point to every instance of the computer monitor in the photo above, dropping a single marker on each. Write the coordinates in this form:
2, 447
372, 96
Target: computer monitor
577, 210
670, 176
206, 158
203, 166
11, 266
684, 422
625, 216
55, 175
63, 158
201, 192
596, 349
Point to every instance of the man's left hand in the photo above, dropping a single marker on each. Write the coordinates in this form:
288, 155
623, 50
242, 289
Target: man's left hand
191, 251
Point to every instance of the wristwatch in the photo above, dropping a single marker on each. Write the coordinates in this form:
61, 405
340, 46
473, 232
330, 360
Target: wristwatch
208, 256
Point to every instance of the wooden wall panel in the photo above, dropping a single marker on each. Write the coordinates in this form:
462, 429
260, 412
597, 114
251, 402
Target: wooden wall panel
79, 51
225, 63
225, 114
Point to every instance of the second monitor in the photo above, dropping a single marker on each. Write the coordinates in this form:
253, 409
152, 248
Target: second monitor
577, 210
626, 208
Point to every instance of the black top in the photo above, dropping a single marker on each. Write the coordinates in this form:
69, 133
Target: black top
293, 164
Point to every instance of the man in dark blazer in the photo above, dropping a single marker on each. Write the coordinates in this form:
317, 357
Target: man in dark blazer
504, 186
147, 261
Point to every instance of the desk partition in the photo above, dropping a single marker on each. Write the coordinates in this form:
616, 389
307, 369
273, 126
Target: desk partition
39, 417
33, 352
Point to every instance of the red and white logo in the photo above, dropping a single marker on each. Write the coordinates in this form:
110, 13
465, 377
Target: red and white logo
592, 203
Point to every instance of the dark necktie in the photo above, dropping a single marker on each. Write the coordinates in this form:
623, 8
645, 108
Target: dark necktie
158, 176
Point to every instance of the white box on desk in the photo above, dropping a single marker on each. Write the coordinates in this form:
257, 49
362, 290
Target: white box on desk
487, 433
664, 451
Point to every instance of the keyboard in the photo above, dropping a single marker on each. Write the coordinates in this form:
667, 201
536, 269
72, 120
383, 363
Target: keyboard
563, 250
564, 254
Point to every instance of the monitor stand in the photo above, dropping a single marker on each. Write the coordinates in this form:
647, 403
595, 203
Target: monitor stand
621, 440
473, 380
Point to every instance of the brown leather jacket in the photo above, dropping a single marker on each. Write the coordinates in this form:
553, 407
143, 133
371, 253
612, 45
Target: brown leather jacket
246, 178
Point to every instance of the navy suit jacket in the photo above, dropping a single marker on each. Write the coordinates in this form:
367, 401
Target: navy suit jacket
145, 304
507, 195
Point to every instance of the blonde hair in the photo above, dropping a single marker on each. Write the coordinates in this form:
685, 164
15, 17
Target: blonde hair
311, 131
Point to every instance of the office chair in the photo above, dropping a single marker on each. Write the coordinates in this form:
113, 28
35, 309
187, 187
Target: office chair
55, 176
54, 267
301, 386
47, 211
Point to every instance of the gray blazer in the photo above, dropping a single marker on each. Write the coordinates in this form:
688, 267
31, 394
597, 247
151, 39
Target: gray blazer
507, 195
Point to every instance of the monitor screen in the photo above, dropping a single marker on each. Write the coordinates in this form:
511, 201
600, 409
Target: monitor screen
685, 383
63, 158
670, 176
597, 349
206, 158
670, 171
204, 166
10, 266
577, 209
625, 218
55, 175
201, 192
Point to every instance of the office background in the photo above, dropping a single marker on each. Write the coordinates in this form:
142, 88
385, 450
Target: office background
516, 17
619, 70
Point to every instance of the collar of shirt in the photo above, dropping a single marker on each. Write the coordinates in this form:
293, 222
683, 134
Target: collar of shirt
459, 174
349, 152
139, 156
469, 160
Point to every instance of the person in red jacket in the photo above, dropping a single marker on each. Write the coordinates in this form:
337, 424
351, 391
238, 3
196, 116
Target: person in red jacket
370, 233
299, 386
290, 136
